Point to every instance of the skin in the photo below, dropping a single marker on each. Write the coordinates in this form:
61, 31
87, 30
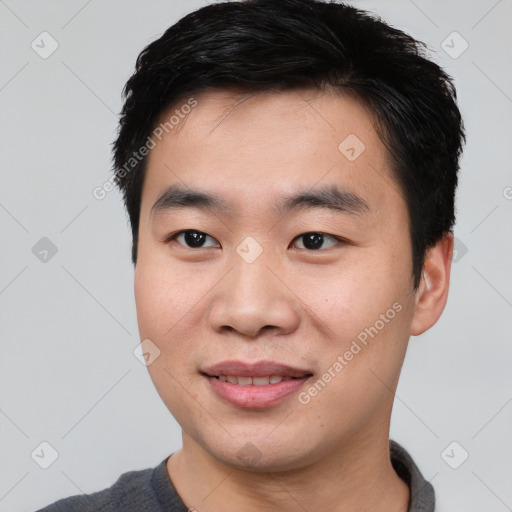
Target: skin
293, 305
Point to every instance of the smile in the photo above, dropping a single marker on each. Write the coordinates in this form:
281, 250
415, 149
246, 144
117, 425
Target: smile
254, 385
253, 381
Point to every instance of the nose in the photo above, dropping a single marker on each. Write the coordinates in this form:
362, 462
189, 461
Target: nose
253, 300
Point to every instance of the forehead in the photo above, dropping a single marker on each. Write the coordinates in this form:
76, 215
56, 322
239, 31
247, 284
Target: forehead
270, 142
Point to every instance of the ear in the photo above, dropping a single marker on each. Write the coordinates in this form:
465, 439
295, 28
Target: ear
432, 293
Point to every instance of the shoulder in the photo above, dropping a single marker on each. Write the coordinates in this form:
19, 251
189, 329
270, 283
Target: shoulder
133, 491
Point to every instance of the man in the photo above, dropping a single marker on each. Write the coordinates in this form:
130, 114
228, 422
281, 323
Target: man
289, 169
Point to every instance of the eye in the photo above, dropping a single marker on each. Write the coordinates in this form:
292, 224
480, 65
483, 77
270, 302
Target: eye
314, 240
193, 239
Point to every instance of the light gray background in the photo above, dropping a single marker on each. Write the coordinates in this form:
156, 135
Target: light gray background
68, 375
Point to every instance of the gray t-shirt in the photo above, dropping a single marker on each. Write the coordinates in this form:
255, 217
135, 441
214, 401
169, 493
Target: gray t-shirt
151, 490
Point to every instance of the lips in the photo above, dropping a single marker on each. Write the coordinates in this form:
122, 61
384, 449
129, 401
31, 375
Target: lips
254, 385
260, 369
253, 381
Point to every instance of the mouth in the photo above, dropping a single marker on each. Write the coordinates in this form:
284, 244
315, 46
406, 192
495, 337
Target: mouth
253, 381
255, 385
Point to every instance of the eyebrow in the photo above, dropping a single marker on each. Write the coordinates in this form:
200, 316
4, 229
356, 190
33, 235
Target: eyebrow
330, 197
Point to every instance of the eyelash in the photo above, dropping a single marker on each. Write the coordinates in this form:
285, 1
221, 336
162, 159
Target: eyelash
173, 237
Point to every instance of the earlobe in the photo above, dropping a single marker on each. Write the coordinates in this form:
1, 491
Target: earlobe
432, 293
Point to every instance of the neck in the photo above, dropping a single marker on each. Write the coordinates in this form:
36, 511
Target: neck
356, 477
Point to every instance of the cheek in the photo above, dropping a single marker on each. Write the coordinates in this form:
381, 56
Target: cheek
348, 297
162, 303
166, 298
156, 301
363, 311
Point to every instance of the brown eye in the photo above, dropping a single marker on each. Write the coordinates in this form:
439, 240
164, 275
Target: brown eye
315, 240
193, 239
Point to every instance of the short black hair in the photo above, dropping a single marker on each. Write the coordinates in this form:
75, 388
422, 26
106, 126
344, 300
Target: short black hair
263, 45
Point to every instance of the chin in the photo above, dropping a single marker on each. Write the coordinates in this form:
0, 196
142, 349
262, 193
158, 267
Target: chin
262, 456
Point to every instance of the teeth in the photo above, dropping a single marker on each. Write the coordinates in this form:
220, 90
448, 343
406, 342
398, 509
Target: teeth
260, 381
255, 381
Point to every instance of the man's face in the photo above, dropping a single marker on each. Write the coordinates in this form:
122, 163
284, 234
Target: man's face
243, 286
